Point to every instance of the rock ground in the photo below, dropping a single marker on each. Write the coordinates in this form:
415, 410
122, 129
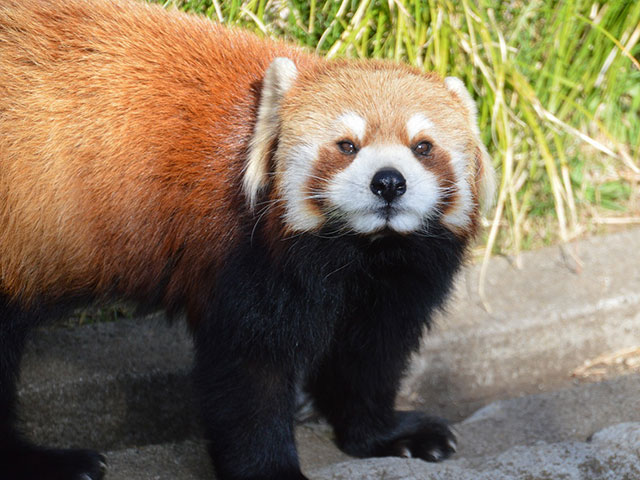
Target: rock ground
545, 385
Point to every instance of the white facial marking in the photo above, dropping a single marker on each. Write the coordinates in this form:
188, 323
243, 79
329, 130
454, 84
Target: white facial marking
349, 192
460, 215
419, 123
298, 170
355, 123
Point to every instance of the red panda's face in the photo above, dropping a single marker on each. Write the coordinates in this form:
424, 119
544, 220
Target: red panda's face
377, 148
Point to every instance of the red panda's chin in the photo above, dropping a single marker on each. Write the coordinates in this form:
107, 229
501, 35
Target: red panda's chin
367, 223
405, 223
384, 220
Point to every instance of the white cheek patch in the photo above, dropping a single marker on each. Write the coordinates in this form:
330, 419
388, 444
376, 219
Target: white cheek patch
297, 172
350, 194
460, 215
354, 123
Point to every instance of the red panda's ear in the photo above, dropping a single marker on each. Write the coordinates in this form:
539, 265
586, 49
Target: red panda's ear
278, 79
457, 86
485, 175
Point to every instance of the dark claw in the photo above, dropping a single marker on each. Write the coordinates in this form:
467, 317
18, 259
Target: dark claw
417, 435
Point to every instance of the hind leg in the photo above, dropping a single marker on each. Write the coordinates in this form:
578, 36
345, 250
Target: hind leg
19, 459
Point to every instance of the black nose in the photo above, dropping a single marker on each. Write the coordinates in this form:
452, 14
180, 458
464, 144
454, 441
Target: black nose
388, 183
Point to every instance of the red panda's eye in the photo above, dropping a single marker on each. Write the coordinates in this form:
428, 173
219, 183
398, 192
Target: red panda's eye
347, 147
423, 148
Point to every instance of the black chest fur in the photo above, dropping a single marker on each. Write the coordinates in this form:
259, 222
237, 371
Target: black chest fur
296, 302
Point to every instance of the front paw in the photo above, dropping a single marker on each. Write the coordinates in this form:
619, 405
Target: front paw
420, 436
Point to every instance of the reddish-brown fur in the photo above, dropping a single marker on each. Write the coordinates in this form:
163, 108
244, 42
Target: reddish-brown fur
122, 157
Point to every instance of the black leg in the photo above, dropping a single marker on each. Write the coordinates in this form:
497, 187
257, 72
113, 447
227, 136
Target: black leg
19, 459
14, 326
248, 405
355, 388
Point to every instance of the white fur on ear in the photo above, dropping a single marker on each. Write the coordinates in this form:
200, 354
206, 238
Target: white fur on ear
457, 86
278, 79
488, 181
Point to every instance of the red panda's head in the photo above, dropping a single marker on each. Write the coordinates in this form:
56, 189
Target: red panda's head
371, 147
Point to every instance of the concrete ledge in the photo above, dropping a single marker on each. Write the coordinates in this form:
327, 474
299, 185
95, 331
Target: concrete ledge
546, 320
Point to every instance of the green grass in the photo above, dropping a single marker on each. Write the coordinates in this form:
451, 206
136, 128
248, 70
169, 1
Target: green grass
557, 85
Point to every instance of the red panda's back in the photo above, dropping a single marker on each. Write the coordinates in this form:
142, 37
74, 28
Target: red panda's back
123, 133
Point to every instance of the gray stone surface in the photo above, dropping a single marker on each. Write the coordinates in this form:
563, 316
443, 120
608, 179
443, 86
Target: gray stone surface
546, 319
624, 436
108, 385
568, 414
598, 460
316, 448
186, 460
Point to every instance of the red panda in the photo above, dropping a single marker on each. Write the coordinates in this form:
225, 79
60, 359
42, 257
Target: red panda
305, 216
